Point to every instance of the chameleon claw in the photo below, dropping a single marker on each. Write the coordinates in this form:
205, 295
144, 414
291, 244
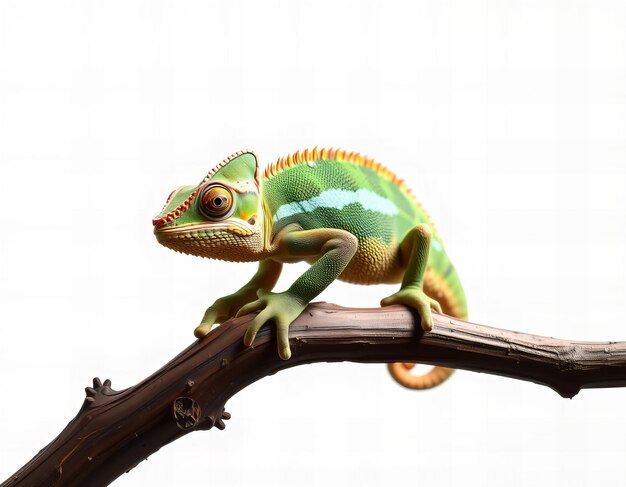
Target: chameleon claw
203, 330
207, 323
285, 353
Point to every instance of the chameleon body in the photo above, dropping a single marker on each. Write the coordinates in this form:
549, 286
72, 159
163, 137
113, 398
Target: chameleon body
345, 214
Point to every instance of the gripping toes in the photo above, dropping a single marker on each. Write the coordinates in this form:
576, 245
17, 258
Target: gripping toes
220, 311
415, 298
205, 326
281, 308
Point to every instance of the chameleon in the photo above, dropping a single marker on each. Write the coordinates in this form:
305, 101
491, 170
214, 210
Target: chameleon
345, 214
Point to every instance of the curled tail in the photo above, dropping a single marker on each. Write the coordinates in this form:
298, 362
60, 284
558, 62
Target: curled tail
401, 373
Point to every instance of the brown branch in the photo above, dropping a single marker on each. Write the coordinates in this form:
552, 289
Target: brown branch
115, 430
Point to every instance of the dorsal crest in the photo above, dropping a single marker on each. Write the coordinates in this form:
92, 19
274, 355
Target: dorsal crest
316, 154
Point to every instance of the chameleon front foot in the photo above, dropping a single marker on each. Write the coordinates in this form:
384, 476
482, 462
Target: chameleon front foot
281, 308
223, 309
415, 298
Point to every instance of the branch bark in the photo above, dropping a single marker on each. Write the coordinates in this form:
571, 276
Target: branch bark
115, 430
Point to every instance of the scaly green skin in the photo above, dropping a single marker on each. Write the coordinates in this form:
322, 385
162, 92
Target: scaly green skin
346, 215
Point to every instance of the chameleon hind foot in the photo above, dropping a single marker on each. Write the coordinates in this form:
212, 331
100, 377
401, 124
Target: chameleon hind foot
415, 298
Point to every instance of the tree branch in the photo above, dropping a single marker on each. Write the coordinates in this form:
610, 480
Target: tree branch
115, 430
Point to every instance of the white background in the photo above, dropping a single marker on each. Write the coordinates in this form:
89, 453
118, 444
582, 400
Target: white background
508, 120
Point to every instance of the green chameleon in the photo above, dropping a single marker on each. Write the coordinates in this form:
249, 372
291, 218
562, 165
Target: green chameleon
344, 214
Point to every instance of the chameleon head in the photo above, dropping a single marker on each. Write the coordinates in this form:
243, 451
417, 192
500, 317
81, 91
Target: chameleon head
220, 218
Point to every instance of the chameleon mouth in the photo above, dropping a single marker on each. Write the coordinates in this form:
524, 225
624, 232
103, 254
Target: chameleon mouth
203, 231
233, 241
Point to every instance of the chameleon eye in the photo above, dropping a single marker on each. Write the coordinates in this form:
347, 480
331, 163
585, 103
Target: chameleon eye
216, 202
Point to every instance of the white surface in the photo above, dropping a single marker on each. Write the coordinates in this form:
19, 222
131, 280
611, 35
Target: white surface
508, 119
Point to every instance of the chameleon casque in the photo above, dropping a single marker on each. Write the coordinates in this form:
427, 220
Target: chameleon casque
343, 213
